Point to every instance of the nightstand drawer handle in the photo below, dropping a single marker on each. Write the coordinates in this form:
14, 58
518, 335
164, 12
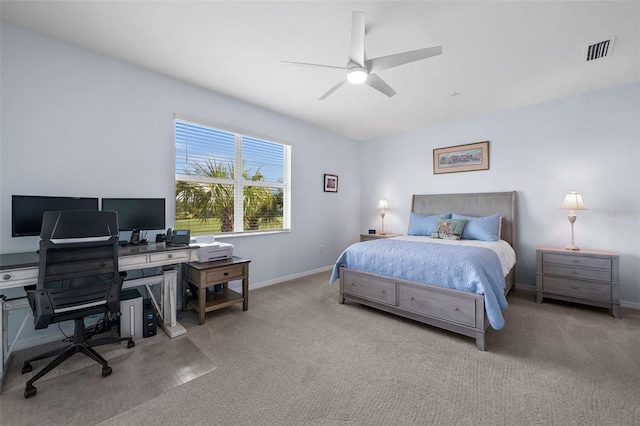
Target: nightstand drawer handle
576, 261
575, 287
6, 277
170, 256
456, 309
226, 274
574, 272
384, 292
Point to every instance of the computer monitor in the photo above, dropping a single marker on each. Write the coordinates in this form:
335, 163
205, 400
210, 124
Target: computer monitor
142, 214
27, 211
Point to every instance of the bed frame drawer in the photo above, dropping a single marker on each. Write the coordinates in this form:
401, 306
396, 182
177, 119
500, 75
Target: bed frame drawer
368, 287
440, 305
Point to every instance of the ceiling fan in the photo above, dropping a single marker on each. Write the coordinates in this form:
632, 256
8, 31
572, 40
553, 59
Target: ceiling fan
362, 70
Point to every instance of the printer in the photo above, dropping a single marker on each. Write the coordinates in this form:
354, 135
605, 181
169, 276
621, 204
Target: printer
209, 249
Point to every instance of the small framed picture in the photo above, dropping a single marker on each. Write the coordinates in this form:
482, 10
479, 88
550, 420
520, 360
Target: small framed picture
330, 183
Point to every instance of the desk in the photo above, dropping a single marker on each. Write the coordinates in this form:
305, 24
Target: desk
204, 275
21, 269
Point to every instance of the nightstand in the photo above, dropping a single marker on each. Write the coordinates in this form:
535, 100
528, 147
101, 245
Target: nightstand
368, 237
208, 274
590, 277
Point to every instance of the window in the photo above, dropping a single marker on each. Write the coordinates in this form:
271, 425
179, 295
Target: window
228, 182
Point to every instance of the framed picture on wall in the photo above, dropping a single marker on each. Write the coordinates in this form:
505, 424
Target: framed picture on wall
461, 158
330, 183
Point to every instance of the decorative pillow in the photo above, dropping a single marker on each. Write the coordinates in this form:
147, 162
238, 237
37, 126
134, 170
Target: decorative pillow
480, 228
424, 225
450, 229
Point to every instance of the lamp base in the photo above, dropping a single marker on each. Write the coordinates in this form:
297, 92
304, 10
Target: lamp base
573, 247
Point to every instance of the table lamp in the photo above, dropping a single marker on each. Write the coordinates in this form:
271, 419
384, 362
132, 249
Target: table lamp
573, 201
383, 206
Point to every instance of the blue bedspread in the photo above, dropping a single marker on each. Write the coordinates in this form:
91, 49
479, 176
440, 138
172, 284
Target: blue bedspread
460, 267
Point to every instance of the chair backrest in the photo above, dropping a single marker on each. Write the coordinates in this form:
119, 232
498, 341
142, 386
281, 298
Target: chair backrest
78, 272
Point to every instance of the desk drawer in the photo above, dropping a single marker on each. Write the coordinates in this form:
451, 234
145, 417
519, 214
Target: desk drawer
574, 272
576, 288
440, 305
11, 277
225, 274
581, 261
132, 261
176, 255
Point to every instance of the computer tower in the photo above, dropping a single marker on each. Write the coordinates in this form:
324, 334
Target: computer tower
149, 327
131, 320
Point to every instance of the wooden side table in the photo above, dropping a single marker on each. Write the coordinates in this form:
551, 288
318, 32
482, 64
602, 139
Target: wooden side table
208, 274
367, 237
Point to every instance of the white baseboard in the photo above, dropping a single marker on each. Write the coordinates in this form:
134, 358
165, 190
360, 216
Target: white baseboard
290, 277
525, 287
631, 305
532, 288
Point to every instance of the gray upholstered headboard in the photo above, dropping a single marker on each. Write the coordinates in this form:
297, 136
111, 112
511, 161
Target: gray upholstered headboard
478, 204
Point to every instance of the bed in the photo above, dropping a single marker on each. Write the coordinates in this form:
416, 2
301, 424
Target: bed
469, 309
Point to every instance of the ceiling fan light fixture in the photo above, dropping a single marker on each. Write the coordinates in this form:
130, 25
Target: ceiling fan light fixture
357, 75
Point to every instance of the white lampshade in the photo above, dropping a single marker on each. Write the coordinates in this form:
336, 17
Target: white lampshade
573, 201
356, 75
383, 205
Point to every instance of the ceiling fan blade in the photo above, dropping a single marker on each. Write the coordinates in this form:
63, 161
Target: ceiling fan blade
356, 54
304, 64
376, 82
330, 91
384, 62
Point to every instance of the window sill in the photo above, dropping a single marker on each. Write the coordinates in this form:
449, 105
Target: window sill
248, 234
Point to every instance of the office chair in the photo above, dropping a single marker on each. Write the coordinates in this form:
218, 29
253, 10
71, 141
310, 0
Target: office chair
78, 276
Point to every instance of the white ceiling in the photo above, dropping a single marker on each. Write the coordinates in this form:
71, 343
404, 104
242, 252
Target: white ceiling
496, 55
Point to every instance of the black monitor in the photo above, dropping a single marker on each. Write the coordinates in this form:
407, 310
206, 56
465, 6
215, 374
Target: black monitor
27, 211
143, 214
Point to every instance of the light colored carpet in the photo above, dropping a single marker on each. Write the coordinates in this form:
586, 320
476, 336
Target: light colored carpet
298, 357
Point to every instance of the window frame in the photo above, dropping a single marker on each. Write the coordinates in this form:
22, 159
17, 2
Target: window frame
238, 182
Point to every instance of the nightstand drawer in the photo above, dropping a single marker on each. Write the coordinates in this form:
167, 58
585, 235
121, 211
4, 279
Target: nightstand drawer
230, 273
581, 261
575, 288
574, 272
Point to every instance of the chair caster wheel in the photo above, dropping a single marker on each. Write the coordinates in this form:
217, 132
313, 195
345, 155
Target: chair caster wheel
106, 371
30, 391
131, 344
26, 367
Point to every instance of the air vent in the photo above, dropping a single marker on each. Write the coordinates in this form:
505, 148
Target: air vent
600, 49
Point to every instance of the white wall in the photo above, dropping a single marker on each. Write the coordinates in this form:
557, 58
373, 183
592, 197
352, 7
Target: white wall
590, 143
78, 124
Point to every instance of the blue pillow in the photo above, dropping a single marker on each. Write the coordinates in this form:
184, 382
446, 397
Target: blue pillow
480, 228
424, 225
